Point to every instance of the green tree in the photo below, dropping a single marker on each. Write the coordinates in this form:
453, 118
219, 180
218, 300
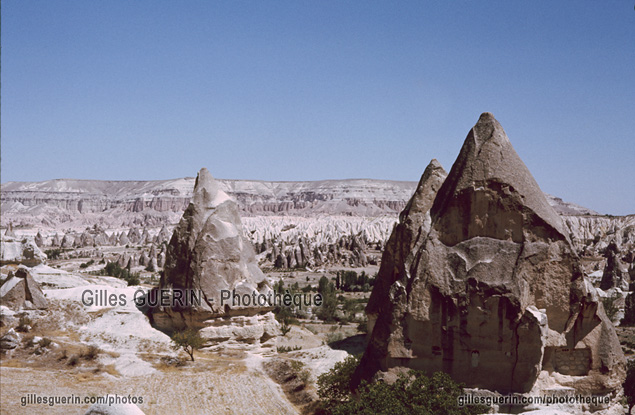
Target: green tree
328, 310
323, 285
411, 393
334, 386
188, 340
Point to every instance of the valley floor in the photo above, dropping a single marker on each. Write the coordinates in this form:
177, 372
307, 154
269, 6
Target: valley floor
207, 386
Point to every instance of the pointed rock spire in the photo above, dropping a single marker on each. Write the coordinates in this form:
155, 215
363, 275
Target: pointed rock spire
208, 253
484, 284
490, 183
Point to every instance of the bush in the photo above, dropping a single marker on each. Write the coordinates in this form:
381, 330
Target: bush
86, 264
91, 353
53, 253
24, 325
285, 349
349, 281
334, 385
363, 326
629, 311
610, 306
334, 337
299, 371
29, 341
327, 311
73, 360
44, 343
411, 393
188, 340
113, 269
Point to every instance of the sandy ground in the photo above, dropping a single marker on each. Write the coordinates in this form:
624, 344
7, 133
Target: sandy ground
209, 386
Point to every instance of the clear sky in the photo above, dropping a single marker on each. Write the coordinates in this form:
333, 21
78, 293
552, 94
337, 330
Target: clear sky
276, 90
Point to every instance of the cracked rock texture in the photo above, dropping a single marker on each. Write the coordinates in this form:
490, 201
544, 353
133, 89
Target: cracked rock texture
207, 254
480, 280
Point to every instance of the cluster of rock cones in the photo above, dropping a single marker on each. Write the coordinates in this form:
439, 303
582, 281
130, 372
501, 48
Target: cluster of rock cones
479, 278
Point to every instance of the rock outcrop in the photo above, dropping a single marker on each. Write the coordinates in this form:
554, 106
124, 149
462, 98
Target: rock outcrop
20, 251
114, 409
612, 275
10, 340
207, 255
21, 291
481, 281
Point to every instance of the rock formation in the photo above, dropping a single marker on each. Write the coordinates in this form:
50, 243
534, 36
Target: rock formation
315, 220
612, 276
10, 340
20, 251
481, 281
22, 291
207, 254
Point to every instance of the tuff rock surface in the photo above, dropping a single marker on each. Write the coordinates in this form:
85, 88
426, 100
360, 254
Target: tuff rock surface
612, 275
480, 280
207, 254
20, 251
10, 340
21, 291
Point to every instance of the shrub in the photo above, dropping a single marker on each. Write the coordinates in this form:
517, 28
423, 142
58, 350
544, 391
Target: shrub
53, 253
113, 269
328, 310
411, 393
610, 306
29, 341
86, 264
91, 353
363, 326
188, 340
629, 310
44, 343
285, 349
24, 325
73, 360
334, 337
334, 385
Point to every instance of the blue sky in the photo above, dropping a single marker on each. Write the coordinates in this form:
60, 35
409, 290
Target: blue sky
275, 90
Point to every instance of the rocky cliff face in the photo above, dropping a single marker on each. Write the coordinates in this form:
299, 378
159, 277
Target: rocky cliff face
302, 222
480, 280
59, 200
55, 202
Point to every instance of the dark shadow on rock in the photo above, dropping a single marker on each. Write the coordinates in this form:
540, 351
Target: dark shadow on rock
353, 345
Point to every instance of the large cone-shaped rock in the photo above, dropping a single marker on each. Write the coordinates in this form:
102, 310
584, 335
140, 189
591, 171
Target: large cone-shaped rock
206, 255
481, 281
21, 291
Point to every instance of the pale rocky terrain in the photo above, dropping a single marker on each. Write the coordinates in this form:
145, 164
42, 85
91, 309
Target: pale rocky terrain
300, 231
303, 222
134, 357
